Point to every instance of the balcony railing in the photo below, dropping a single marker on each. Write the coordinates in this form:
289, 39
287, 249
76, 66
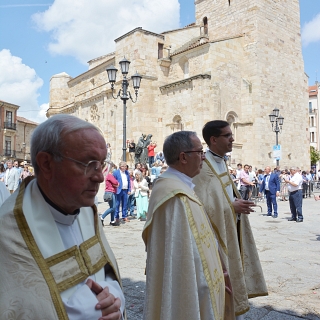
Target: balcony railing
10, 125
9, 153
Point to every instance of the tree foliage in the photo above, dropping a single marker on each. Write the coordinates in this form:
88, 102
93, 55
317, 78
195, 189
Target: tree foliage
314, 155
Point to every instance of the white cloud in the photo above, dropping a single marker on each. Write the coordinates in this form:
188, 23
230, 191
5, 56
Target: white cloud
19, 84
87, 29
311, 31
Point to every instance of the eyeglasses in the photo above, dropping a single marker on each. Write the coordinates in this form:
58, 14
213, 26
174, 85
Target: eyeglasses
92, 167
227, 135
200, 153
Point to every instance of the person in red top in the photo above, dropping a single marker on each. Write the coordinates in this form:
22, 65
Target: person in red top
109, 196
151, 148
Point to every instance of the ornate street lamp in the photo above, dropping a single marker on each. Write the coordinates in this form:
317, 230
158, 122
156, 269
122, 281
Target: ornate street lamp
276, 123
123, 93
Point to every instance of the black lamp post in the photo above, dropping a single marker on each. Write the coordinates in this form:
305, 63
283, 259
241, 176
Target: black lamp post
123, 93
277, 123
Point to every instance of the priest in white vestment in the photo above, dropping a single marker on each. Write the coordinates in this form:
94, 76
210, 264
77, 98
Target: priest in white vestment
55, 260
228, 215
185, 277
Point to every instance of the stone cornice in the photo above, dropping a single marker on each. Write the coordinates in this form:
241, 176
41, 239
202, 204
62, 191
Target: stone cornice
243, 124
239, 35
87, 73
183, 81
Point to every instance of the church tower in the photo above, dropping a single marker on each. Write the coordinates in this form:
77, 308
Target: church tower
272, 69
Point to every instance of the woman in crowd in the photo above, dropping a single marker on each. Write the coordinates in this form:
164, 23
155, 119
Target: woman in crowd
141, 194
131, 198
25, 173
145, 173
283, 186
2, 172
109, 196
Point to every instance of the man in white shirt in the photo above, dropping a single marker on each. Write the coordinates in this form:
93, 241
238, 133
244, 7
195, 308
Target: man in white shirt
11, 177
55, 260
295, 195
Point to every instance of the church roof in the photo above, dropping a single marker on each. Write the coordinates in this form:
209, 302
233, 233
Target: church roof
139, 29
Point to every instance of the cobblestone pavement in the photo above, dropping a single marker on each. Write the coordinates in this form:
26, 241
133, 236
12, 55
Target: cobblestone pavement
289, 253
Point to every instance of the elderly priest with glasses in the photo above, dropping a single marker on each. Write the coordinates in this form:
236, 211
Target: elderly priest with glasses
55, 260
186, 279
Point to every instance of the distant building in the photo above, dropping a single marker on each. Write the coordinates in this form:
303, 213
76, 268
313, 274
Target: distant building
237, 62
15, 133
25, 129
314, 119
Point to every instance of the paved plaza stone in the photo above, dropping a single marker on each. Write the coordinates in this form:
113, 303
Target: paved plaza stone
289, 253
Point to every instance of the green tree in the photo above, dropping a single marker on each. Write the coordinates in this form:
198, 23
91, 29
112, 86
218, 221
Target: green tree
314, 155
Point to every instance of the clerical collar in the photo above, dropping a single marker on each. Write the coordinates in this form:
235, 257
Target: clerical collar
216, 155
75, 212
183, 177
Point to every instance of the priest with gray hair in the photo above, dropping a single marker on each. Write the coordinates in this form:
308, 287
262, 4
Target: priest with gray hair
55, 260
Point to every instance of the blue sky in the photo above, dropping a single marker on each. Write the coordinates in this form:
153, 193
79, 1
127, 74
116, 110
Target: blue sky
40, 38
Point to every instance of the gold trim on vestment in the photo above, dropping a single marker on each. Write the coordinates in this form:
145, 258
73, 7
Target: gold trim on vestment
84, 247
82, 274
36, 253
80, 254
166, 198
224, 190
114, 267
213, 284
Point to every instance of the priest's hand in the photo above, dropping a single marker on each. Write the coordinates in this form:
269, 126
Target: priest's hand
243, 206
108, 304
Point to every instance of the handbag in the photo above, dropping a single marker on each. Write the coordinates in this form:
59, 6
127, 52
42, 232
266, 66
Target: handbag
107, 196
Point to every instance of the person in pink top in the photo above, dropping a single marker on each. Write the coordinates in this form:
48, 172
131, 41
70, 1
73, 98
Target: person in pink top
109, 196
245, 183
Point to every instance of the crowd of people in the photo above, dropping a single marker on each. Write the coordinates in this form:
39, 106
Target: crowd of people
127, 190
290, 185
202, 261
11, 176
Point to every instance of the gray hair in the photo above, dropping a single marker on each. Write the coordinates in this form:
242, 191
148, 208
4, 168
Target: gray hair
139, 173
175, 144
47, 137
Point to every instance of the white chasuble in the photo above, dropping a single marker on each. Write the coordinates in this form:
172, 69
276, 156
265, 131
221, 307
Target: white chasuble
239, 253
37, 271
184, 273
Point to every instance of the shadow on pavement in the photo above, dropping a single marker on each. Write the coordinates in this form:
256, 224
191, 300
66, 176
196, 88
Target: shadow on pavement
135, 292
267, 313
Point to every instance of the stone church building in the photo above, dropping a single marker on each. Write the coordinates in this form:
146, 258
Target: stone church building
237, 62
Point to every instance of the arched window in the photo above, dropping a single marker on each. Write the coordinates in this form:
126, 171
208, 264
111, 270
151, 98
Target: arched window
177, 124
231, 118
205, 25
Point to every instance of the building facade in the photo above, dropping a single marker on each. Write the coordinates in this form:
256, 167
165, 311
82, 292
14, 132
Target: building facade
8, 132
314, 121
25, 129
15, 133
237, 62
